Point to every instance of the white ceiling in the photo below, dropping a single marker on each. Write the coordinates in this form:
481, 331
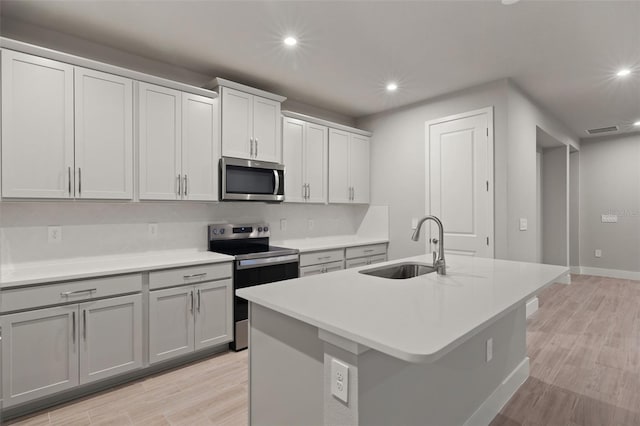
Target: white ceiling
564, 54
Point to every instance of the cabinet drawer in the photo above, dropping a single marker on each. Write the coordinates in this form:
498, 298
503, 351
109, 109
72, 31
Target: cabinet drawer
362, 251
364, 261
305, 271
189, 275
321, 257
71, 291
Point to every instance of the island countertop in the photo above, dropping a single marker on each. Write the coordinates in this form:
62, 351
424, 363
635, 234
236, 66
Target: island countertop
417, 319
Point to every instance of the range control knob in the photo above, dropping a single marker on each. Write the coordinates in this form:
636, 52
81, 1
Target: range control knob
215, 231
221, 231
260, 229
266, 229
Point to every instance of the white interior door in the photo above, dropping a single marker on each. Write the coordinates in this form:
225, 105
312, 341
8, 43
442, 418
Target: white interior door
104, 135
199, 148
111, 337
460, 182
316, 162
292, 152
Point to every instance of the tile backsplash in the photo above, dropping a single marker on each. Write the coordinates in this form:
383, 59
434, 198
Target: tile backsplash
102, 228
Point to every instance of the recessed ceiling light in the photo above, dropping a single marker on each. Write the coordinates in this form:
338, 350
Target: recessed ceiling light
509, 2
623, 72
637, 123
290, 41
392, 87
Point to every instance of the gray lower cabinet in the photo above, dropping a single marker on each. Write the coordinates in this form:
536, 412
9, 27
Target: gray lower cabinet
49, 350
188, 318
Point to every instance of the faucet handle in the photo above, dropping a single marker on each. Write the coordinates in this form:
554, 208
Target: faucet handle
434, 240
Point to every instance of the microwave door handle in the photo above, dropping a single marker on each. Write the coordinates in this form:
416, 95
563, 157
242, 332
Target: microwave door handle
276, 176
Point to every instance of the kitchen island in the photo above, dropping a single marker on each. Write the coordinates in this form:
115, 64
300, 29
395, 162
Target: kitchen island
431, 350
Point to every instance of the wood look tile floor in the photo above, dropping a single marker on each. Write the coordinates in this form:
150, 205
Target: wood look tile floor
584, 346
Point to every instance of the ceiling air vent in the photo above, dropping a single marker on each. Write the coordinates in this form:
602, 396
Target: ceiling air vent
602, 130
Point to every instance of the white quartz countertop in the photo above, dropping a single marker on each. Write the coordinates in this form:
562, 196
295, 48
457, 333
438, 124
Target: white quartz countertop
19, 274
306, 245
418, 319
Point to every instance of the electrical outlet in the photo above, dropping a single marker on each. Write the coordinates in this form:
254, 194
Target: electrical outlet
310, 224
489, 349
283, 224
340, 380
609, 218
153, 230
414, 222
54, 234
523, 224
598, 253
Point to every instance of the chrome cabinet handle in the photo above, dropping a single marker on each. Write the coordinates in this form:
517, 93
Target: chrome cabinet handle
250, 147
70, 293
256, 147
186, 181
186, 277
73, 326
79, 181
324, 257
191, 306
84, 323
178, 185
308, 191
69, 173
369, 250
199, 300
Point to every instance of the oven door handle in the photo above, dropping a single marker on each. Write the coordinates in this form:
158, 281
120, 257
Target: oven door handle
277, 178
266, 261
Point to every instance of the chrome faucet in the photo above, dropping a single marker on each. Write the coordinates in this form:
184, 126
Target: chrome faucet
439, 263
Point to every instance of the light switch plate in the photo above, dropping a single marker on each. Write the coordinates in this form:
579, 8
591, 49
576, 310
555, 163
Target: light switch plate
598, 253
153, 230
523, 224
609, 218
414, 223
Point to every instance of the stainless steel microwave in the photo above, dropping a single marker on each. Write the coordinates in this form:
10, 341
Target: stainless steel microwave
251, 180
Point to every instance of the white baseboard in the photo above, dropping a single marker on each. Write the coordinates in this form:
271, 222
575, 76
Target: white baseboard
602, 272
490, 408
532, 306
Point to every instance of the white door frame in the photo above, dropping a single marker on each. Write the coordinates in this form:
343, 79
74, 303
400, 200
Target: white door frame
427, 206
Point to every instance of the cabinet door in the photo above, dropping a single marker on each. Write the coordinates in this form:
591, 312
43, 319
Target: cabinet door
200, 150
39, 353
237, 123
170, 323
293, 154
104, 135
359, 168
316, 162
159, 134
266, 130
110, 337
339, 188
37, 127
213, 313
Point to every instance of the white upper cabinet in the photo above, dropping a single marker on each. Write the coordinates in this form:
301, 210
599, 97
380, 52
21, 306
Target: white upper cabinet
42, 157
348, 167
200, 150
37, 127
250, 124
159, 142
104, 135
178, 143
305, 159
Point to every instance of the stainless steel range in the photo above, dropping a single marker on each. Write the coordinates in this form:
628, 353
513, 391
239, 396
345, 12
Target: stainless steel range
256, 262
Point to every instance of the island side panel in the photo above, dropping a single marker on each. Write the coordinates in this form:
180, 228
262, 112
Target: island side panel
286, 370
450, 390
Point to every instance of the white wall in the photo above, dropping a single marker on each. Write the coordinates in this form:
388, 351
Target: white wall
99, 228
574, 208
398, 163
555, 244
610, 184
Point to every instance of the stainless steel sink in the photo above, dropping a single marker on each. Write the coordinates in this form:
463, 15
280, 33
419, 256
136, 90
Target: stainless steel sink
400, 271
